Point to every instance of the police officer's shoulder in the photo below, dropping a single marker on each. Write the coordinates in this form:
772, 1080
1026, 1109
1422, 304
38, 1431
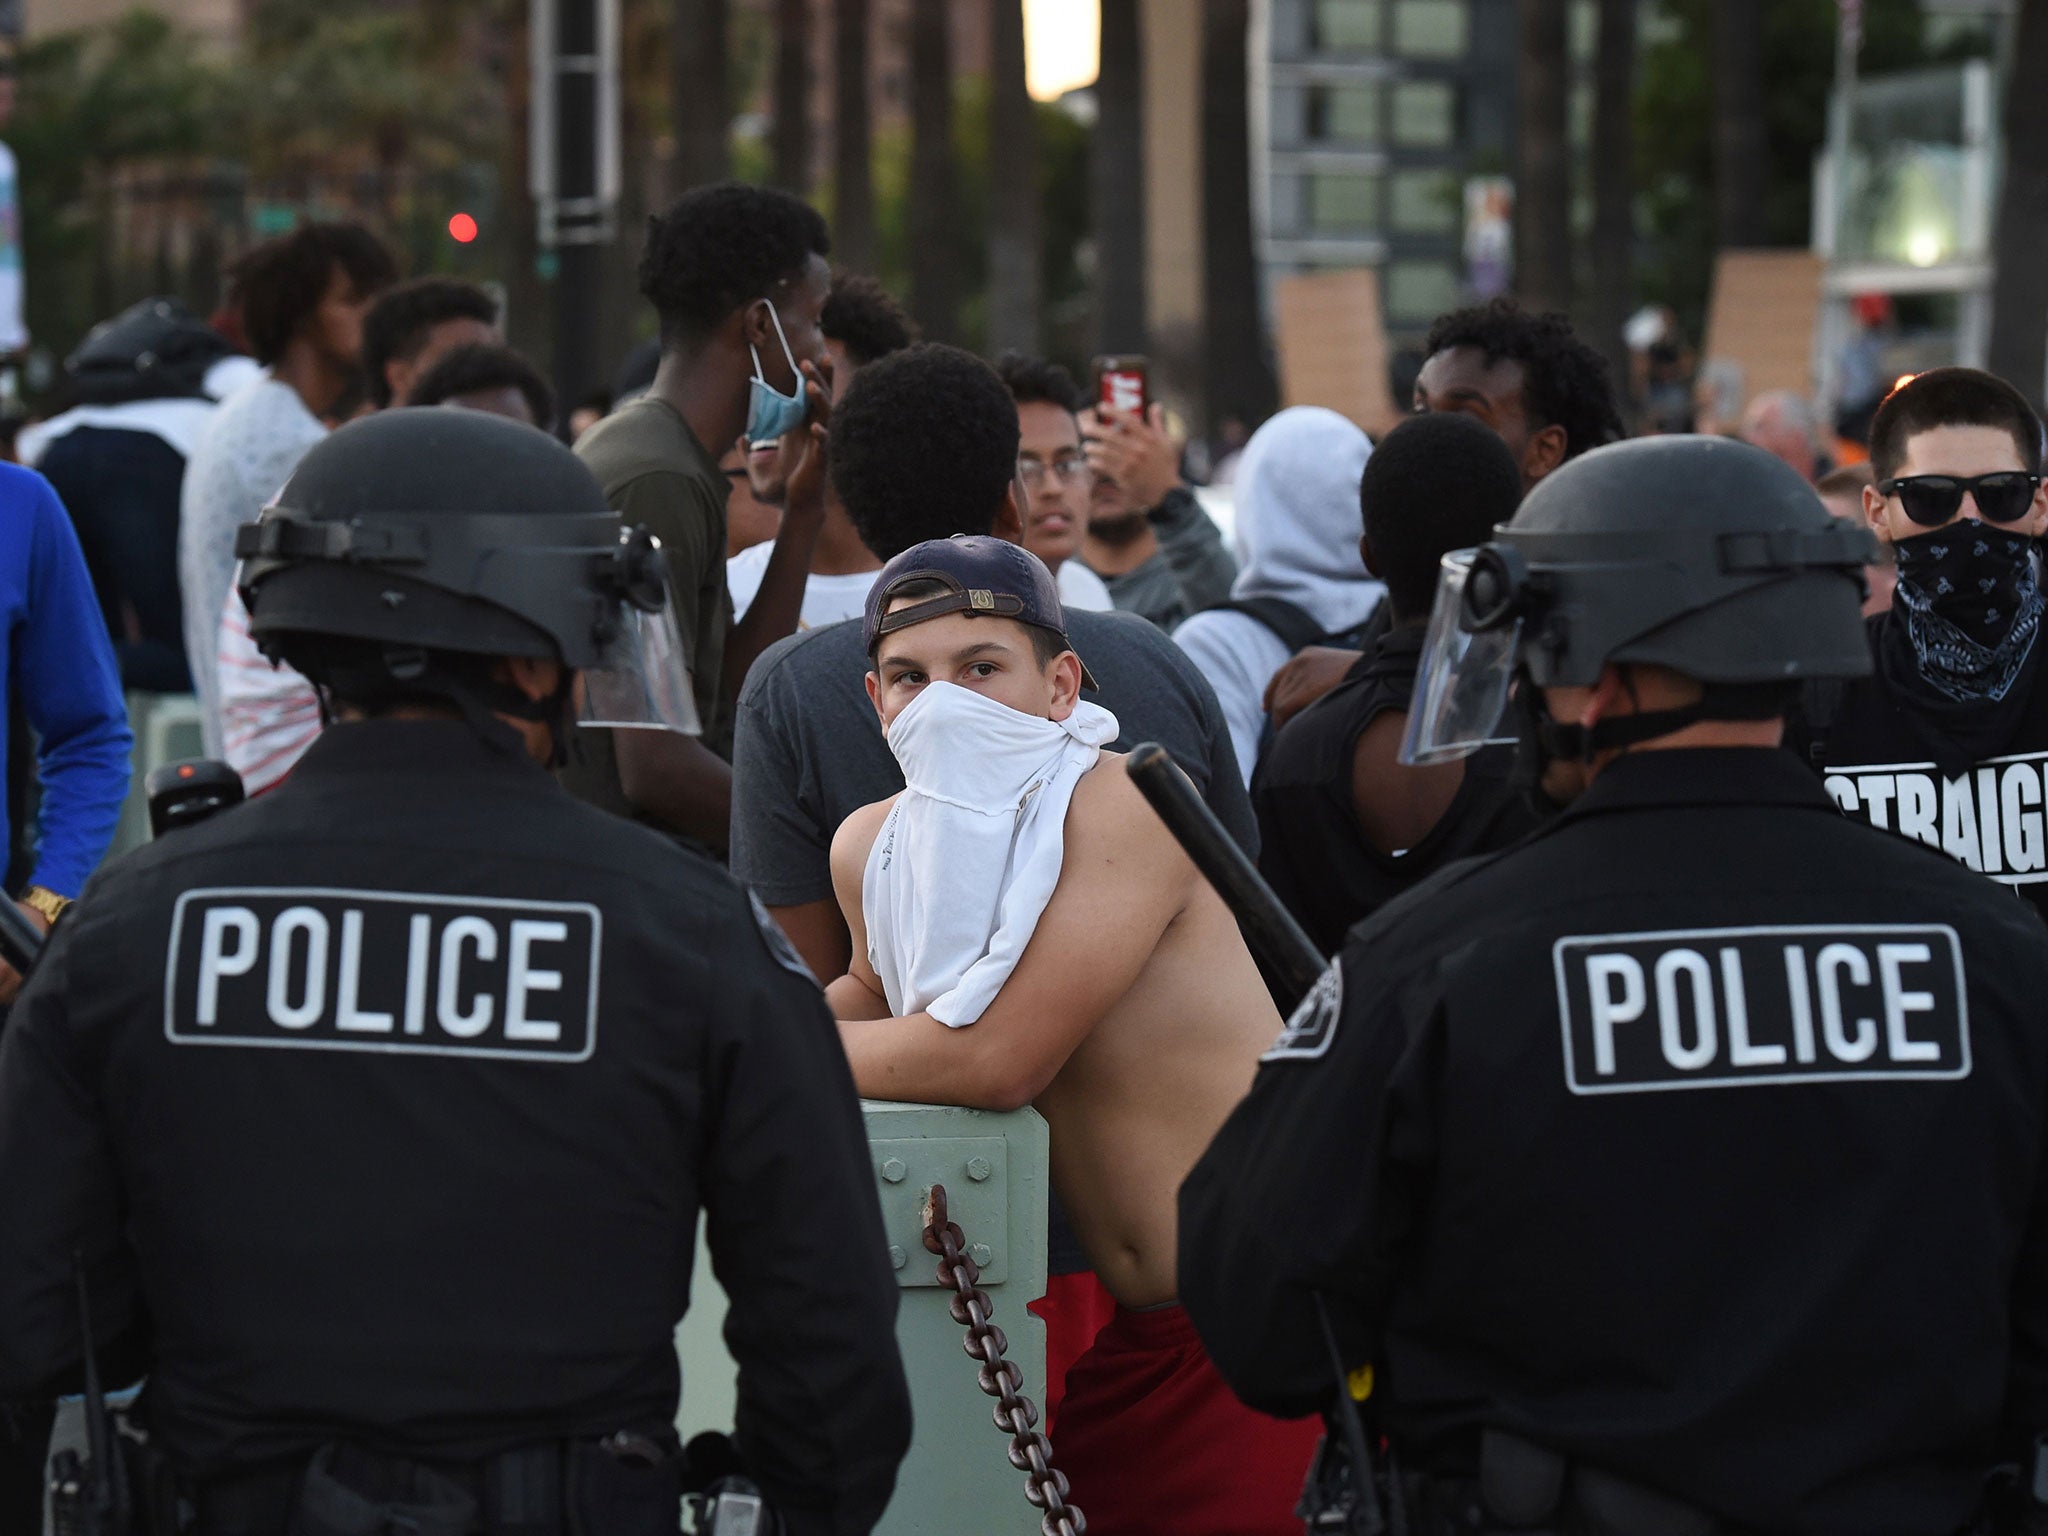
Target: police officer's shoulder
686, 889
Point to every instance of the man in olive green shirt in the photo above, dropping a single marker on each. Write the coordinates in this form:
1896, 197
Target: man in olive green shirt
738, 276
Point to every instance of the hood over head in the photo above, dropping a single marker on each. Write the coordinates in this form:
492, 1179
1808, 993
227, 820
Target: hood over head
1298, 520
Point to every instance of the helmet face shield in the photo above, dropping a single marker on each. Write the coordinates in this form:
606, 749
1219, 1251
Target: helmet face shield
1468, 661
641, 678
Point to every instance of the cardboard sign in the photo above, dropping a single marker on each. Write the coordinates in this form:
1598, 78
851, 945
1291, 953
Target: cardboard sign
1762, 314
1333, 347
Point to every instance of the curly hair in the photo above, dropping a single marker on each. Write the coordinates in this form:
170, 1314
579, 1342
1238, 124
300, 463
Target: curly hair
1435, 483
275, 286
399, 323
864, 317
1035, 381
480, 366
1564, 381
721, 247
924, 445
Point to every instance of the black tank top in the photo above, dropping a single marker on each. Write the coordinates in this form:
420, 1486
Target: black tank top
1311, 849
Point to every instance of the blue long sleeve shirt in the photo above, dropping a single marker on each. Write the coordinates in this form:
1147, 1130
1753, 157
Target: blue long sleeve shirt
60, 665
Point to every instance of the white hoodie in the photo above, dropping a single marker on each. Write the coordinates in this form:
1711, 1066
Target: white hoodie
1298, 524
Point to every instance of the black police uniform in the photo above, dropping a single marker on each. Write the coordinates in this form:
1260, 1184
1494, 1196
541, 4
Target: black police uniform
1310, 848
1969, 777
388, 1103
1699, 1138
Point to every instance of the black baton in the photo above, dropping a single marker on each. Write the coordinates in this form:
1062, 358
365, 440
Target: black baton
1289, 955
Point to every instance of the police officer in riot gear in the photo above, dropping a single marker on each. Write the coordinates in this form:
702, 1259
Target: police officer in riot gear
1680, 1168
381, 1109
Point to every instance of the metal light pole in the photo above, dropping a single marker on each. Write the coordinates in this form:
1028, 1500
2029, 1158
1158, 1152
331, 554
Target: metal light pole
1831, 334
573, 172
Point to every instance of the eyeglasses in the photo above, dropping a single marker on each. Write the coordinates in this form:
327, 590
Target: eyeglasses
1069, 467
1931, 500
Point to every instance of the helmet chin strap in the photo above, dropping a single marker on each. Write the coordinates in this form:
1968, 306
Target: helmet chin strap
1544, 739
480, 703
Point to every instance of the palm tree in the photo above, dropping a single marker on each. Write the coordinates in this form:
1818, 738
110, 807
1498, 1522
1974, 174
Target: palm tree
1117, 180
701, 100
1543, 236
1614, 232
853, 195
932, 232
793, 95
2019, 289
1741, 163
1013, 212
1240, 376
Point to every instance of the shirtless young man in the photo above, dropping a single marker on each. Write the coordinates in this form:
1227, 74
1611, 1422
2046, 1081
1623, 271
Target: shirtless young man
1026, 931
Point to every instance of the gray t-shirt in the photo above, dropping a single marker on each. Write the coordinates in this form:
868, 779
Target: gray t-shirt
809, 752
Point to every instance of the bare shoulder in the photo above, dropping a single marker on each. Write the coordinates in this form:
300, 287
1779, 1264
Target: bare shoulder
856, 835
1112, 817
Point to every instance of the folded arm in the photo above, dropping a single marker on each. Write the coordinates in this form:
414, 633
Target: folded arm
1122, 883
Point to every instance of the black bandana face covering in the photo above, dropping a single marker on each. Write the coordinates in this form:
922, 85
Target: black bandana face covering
1972, 606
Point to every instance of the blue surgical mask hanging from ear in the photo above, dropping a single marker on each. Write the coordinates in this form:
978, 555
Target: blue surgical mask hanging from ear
770, 413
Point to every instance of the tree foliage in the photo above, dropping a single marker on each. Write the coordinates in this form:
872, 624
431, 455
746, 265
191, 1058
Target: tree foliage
1674, 127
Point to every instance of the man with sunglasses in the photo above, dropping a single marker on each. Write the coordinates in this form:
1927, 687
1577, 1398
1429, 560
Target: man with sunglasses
1947, 741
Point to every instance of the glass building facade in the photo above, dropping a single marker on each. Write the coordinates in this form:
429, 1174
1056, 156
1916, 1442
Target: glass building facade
1375, 114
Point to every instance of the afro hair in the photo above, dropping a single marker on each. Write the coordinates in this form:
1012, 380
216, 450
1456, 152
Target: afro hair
1564, 381
721, 247
924, 445
863, 317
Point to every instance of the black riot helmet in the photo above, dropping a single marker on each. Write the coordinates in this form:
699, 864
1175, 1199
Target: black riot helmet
419, 535
1699, 554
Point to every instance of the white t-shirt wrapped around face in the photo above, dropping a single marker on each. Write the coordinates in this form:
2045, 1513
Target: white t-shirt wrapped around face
970, 853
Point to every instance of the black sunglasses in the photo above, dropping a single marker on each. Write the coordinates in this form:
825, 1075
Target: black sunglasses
1931, 500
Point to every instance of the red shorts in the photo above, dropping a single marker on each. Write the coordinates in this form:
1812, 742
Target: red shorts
1155, 1444
1074, 1309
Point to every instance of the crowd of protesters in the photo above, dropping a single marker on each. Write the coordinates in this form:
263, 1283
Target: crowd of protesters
810, 466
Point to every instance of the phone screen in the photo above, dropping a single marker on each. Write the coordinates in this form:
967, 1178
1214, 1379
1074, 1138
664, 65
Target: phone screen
1120, 386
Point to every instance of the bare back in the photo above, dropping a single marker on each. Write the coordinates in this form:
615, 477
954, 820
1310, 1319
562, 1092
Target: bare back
1145, 1092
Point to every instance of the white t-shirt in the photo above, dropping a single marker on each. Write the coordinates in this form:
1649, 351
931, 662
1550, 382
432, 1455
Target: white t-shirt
244, 456
827, 599
269, 713
1082, 588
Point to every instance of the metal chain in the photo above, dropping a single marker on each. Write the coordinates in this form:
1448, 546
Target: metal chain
1016, 1415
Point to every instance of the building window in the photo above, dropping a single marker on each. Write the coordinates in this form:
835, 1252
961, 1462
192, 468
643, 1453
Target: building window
1425, 114
1346, 26
1344, 114
1419, 291
1430, 29
1422, 203
1343, 202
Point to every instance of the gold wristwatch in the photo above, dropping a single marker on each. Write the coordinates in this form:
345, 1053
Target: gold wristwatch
40, 898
